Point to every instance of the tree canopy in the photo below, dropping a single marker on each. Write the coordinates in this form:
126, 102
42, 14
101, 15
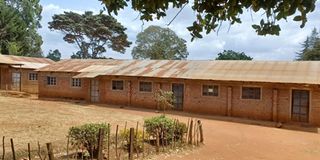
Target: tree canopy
232, 55
159, 43
54, 55
310, 47
19, 21
209, 15
91, 33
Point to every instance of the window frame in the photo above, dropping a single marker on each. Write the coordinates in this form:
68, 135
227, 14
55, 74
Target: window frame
260, 97
49, 81
202, 90
145, 82
35, 76
78, 82
123, 85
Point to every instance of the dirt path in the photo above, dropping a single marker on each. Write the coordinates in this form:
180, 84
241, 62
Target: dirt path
29, 120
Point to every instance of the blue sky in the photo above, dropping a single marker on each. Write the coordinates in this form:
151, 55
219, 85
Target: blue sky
241, 37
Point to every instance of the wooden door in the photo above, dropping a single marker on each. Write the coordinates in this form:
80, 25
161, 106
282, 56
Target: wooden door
16, 81
94, 90
178, 93
300, 105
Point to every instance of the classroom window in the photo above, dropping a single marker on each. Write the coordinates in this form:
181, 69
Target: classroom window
145, 86
51, 81
117, 85
251, 93
210, 90
76, 82
33, 76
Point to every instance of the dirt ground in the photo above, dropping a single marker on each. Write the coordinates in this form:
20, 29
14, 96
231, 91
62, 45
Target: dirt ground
29, 120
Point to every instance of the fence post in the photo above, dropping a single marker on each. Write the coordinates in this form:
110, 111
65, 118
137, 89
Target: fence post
201, 131
131, 141
13, 152
50, 151
117, 141
3, 149
100, 143
109, 129
29, 151
190, 131
157, 140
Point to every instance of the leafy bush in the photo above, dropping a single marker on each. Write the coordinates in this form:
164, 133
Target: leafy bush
166, 126
139, 139
87, 135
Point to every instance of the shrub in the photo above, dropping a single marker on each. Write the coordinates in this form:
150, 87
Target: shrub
165, 126
139, 140
87, 135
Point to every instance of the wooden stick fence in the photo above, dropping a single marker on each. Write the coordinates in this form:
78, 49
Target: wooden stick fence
193, 136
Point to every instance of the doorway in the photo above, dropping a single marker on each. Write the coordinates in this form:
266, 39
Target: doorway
178, 93
300, 105
94, 90
16, 81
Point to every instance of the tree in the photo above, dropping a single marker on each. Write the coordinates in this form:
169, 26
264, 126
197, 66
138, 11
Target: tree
312, 54
232, 55
165, 99
24, 15
54, 55
209, 15
159, 43
309, 45
91, 33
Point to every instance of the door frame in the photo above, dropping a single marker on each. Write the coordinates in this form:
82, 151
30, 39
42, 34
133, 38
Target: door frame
13, 87
184, 91
290, 103
98, 91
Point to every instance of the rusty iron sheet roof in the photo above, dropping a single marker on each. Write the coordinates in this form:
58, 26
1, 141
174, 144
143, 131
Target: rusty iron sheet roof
24, 62
302, 72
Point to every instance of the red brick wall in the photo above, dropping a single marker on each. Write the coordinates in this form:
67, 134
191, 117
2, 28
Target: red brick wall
194, 101
63, 89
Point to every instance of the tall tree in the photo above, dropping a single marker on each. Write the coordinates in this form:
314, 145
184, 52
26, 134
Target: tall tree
232, 55
92, 33
312, 54
54, 55
309, 45
29, 13
210, 14
159, 43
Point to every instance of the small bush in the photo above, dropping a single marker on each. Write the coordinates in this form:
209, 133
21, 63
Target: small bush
87, 135
166, 126
139, 140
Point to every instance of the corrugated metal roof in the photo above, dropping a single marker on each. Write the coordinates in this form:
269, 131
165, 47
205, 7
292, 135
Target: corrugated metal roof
25, 62
305, 72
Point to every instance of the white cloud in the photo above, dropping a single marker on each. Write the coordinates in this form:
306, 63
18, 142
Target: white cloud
241, 37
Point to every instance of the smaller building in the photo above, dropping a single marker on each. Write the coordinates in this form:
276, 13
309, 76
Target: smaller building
19, 73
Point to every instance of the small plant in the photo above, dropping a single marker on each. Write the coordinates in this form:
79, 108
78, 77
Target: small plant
138, 137
165, 128
87, 136
165, 99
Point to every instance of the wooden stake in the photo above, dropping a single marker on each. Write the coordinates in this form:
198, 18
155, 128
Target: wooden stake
50, 151
109, 129
190, 131
117, 128
68, 141
143, 141
39, 151
201, 131
157, 140
136, 139
131, 141
13, 151
188, 128
29, 151
100, 143
3, 148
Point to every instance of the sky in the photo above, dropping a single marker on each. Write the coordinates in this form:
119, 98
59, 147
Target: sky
240, 37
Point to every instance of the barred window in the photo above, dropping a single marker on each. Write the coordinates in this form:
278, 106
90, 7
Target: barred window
251, 93
76, 82
145, 86
51, 81
210, 90
33, 76
117, 85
